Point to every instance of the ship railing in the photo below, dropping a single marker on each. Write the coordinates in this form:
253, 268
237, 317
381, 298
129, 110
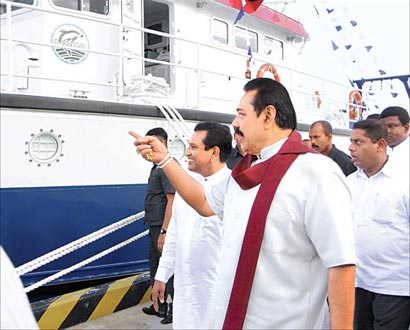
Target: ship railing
117, 83
77, 244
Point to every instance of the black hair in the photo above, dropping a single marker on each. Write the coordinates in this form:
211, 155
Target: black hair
327, 127
271, 92
218, 135
158, 131
375, 130
400, 112
374, 116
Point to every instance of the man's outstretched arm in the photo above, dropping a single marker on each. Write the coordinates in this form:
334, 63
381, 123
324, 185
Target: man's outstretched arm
151, 149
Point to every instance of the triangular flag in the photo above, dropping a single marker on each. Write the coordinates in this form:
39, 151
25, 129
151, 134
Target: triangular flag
394, 94
338, 28
368, 48
329, 10
382, 72
348, 46
240, 15
250, 51
335, 47
354, 23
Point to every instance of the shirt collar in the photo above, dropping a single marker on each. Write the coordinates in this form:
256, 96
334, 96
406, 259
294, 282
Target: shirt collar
271, 150
216, 177
387, 170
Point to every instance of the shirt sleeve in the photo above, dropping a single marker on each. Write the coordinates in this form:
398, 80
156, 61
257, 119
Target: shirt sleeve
215, 196
166, 267
166, 185
329, 219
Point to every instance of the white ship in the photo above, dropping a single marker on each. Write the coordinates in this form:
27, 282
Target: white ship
77, 75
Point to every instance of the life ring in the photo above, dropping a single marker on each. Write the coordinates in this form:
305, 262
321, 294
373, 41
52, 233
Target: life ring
268, 67
355, 104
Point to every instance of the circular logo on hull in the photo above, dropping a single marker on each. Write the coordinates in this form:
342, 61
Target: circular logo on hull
70, 44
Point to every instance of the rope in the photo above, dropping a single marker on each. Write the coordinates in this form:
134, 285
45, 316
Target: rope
85, 262
83, 241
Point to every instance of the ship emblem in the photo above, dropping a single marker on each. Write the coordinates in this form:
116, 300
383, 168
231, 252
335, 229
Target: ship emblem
70, 43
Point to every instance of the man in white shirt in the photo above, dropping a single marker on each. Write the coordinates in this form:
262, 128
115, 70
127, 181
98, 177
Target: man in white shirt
303, 233
396, 119
193, 243
16, 312
381, 212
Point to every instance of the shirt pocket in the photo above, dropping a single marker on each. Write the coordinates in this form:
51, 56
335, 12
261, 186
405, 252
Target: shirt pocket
277, 230
385, 208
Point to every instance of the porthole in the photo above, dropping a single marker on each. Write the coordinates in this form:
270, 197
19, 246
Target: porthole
177, 149
44, 147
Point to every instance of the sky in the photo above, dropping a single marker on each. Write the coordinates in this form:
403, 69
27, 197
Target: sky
381, 24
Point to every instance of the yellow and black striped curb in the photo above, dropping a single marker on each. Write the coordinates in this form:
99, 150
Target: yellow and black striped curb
84, 305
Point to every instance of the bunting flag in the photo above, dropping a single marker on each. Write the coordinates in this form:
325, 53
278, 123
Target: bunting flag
239, 16
357, 54
250, 52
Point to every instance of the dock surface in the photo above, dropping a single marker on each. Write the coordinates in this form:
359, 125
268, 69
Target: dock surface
129, 318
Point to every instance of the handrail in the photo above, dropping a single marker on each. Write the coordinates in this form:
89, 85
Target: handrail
117, 83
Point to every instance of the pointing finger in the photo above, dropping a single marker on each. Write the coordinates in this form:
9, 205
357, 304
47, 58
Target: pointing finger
136, 135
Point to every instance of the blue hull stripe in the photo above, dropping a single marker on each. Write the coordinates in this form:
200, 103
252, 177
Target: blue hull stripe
35, 221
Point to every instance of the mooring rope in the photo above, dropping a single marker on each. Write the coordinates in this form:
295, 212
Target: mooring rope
85, 262
70, 247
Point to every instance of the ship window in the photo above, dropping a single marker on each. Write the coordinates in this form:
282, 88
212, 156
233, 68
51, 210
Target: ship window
43, 147
3, 8
244, 38
219, 31
94, 6
273, 48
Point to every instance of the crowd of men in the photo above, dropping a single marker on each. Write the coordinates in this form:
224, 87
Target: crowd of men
297, 231
290, 234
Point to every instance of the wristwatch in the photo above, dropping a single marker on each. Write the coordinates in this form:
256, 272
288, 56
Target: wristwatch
163, 231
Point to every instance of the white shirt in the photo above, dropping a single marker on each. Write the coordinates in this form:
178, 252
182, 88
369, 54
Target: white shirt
399, 156
381, 213
16, 312
309, 228
192, 253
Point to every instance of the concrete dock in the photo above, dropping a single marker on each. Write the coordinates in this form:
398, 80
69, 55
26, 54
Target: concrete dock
129, 318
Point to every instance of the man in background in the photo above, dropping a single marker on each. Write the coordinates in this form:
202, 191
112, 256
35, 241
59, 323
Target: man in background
237, 152
381, 207
396, 120
158, 209
193, 244
320, 134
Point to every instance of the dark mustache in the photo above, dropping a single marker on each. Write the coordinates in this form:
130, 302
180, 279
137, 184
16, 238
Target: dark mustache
315, 146
238, 131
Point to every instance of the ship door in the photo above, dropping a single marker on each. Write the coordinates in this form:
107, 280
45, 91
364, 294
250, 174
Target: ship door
133, 47
156, 45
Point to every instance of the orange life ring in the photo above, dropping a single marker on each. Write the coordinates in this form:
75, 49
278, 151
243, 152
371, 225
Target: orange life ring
355, 104
268, 67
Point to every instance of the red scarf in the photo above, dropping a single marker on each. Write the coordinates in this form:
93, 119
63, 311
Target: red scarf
269, 173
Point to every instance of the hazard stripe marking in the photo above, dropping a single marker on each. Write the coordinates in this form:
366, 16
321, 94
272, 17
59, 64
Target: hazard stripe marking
58, 310
112, 297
